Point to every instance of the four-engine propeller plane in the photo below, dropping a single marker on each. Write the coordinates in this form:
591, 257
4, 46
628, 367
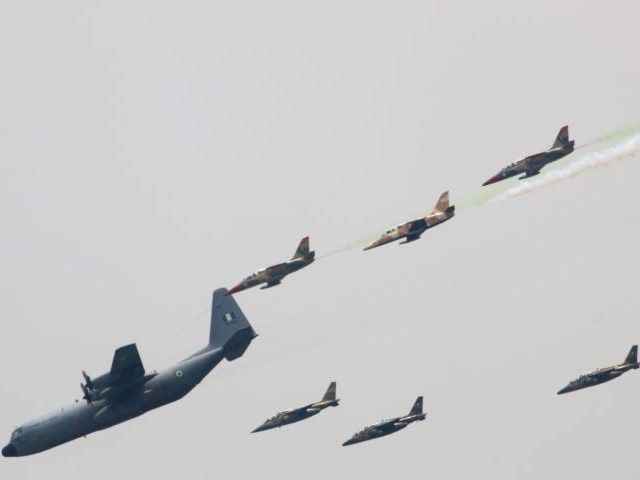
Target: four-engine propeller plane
274, 274
127, 391
531, 165
387, 427
603, 374
302, 413
412, 229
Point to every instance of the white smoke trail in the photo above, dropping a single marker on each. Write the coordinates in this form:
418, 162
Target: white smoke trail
601, 157
599, 153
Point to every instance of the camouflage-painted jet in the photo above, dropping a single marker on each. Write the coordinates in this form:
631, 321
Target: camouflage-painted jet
603, 374
412, 229
274, 274
127, 391
386, 427
532, 164
302, 413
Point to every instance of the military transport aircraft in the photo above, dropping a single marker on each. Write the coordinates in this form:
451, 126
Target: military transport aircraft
412, 229
128, 391
386, 427
302, 413
532, 164
603, 374
274, 274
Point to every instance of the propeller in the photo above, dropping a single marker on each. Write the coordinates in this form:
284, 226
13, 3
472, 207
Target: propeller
87, 387
86, 394
87, 380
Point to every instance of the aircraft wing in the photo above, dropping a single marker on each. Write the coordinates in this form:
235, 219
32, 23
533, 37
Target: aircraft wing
420, 224
127, 363
301, 409
534, 162
276, 273
383, 426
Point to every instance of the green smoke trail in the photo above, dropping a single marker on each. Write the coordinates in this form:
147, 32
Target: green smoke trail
617, 145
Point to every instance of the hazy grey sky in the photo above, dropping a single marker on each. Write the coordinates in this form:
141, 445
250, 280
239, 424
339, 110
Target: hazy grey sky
153, 151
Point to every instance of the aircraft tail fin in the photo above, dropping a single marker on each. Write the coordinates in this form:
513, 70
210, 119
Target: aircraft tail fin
303, 249
443, 203
417, 407
632, 357
230, 329
562, 139
330, 395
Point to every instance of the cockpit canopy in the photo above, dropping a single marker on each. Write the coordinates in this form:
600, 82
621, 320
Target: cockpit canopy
277, 416
250, 277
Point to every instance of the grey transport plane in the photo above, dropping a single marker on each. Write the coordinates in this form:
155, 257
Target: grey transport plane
531, 165
603, 374
273, 275
302, 413
387, 427
128, 391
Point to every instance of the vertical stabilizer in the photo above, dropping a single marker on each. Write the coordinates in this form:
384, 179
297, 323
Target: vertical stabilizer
632, 357
563, 137
443, 203
303, 249
331, 393
230, 328
417, 407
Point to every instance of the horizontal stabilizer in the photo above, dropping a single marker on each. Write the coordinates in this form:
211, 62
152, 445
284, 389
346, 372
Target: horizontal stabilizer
238, 344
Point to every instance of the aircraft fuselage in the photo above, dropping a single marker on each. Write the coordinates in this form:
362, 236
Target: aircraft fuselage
295, 415
532, 164
82, 418
384, 428
597, 377
411, 231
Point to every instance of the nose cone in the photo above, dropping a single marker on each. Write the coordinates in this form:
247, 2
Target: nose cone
564, 390
494, 179
351, 441
262, 428
237, 288
374, 244
9, 451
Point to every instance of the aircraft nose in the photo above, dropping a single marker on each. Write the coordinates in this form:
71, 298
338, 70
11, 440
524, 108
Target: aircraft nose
9, 451
348, 442
564, 390
261, 428
493, 179
235, 289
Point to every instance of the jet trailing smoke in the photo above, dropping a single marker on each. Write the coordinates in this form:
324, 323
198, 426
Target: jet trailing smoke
602, 155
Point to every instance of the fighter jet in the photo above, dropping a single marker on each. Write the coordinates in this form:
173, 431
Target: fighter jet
128, 390
532, 164
603, 374
385, 427
302, 413
412, 229
274, 274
